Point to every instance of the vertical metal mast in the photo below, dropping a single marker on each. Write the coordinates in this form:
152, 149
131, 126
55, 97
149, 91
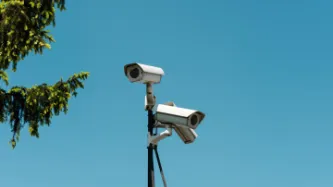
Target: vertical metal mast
150, 104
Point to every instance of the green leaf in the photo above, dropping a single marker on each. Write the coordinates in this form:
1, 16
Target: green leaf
13, 143
4, 77
32, 4
47, 46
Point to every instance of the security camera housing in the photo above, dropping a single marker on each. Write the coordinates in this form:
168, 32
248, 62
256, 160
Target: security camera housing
142, 73
187, 135
180, 116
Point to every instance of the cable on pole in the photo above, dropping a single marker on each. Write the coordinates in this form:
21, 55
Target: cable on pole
160, 166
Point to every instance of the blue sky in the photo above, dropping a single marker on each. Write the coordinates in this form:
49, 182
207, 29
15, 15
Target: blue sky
260, 70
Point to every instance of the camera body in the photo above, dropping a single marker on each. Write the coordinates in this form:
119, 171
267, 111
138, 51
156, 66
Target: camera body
181, 116
142, 73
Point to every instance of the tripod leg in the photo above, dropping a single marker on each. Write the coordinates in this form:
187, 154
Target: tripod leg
160, 166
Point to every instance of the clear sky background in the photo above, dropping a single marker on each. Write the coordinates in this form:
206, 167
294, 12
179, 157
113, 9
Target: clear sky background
261, 71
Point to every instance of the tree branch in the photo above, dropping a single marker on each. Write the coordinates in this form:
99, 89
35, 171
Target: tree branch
37, 105
23, 28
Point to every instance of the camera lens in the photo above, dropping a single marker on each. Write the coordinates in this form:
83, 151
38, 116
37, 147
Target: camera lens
194, 120
135, 73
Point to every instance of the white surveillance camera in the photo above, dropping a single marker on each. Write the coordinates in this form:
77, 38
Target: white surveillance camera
180, 116
187, 135
142, 73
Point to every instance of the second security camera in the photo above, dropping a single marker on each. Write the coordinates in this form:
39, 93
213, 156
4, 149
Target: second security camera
179, 116
142, 73
187, 135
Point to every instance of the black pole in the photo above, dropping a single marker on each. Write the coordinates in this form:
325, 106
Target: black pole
151, 178
160, 166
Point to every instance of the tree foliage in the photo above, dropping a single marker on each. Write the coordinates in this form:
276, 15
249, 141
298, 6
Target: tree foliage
23, 26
